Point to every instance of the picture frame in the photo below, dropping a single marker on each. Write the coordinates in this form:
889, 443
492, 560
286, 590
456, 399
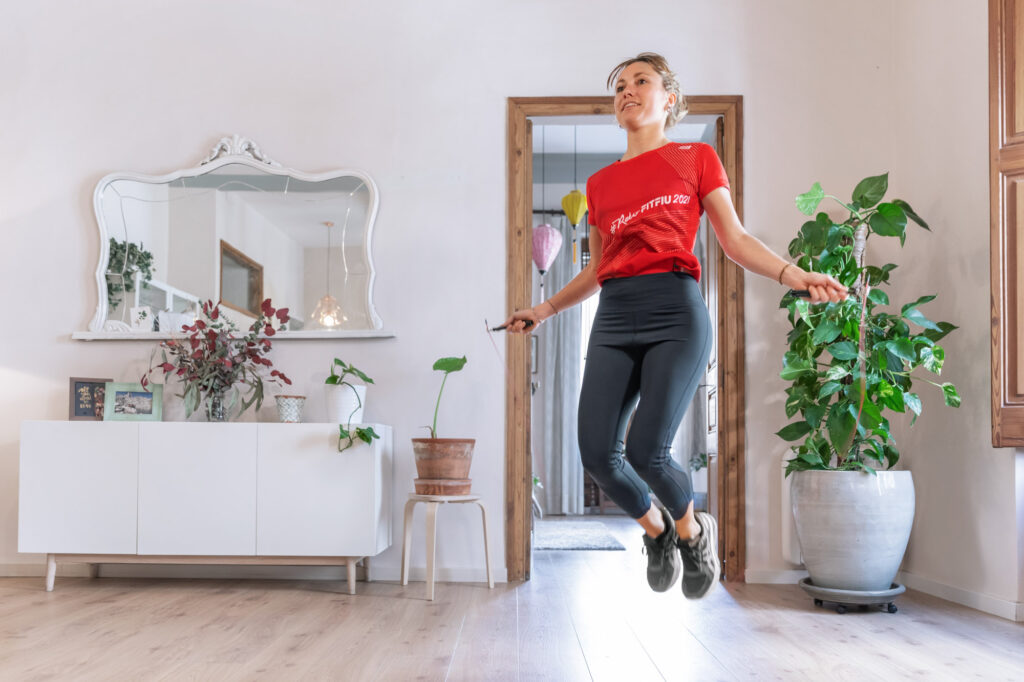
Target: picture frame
130, 402
86, 399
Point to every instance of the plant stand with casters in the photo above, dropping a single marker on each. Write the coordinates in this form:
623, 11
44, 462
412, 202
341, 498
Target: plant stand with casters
844, 599
433, 502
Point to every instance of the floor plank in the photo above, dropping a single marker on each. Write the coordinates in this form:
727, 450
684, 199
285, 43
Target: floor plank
585, 615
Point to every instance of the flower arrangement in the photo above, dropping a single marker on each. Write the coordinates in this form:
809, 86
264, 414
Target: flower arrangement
213, 363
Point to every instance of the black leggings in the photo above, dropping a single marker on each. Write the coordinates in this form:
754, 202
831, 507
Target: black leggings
648, 349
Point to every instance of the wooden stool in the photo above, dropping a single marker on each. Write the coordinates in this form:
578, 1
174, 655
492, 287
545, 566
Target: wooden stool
432, 502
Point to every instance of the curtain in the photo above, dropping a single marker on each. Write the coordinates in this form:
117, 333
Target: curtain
559, 352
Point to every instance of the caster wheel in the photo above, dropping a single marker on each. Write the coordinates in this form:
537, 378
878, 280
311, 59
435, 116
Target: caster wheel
892, 608
818, 602
840, 609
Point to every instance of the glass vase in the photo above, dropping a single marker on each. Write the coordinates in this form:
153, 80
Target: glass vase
215, 408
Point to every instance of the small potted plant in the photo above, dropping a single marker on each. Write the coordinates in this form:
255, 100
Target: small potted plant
345, 402
850, 365
214, 364
443, 463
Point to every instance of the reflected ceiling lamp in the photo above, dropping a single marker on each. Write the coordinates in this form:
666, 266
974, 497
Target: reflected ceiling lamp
327, 312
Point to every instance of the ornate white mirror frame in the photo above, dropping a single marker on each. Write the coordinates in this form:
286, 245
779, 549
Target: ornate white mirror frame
269, 210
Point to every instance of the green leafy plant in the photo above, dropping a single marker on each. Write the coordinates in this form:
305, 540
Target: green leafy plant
446, 365
851, 363
348, 435
698, 461
126, 258
213, 363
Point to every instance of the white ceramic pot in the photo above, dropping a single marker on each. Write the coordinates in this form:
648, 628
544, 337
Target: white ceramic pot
341, 402
853, 526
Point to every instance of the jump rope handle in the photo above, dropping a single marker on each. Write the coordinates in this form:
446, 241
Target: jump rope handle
804, 293
529, 323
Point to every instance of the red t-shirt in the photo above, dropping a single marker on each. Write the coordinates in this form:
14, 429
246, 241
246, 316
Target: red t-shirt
648, 209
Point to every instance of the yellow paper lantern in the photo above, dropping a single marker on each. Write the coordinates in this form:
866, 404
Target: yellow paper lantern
575, 206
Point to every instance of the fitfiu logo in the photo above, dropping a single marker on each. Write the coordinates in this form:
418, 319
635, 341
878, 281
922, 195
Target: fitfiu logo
663, 200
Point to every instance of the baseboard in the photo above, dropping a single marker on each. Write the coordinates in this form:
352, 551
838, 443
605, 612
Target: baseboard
1003, 608
215, 572
791, 577
39, 570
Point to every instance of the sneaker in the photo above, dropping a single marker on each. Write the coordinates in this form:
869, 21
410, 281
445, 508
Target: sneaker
701, 567
663, 567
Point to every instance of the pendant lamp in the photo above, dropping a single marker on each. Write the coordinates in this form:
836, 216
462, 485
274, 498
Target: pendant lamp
575, 202
327, 312
546, 239
546, 243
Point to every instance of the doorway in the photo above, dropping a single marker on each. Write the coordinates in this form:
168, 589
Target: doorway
726, 372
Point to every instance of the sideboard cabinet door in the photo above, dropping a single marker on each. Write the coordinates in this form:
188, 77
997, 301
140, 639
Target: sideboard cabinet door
78, 487
316, 501
197, 489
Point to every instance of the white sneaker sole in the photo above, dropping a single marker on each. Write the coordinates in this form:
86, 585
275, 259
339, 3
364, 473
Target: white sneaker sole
709, 526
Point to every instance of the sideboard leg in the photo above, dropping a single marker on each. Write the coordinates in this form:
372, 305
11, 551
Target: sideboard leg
366, 569
51, 571
350, 573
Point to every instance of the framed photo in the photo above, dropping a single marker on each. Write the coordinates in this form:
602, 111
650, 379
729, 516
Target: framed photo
85, 399
130, 402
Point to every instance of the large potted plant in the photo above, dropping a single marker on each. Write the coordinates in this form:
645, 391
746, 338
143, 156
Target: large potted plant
442, 464
851, 365
216, 367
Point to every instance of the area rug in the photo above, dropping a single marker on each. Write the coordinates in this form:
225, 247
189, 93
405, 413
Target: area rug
587, 535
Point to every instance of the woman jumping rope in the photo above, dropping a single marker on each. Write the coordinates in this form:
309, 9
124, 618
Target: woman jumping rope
651, 336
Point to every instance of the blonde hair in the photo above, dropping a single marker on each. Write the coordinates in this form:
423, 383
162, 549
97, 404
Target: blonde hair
668, 79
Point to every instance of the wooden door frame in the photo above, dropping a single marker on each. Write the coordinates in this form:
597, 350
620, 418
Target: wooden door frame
519, 294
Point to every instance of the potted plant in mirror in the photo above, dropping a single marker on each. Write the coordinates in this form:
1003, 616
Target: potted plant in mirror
851, 365
442, 464
345, 403
123, 262
216, 366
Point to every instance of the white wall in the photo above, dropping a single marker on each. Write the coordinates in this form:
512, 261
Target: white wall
416, 95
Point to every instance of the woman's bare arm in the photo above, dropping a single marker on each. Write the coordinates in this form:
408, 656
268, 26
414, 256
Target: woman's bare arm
582, 287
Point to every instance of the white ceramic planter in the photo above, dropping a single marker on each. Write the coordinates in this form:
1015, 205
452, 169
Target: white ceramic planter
853, 527
341, 402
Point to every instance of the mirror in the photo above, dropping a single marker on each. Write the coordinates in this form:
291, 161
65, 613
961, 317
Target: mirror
236, 229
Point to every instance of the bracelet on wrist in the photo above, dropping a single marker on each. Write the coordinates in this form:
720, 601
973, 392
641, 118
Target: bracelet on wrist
552, 306
782, 271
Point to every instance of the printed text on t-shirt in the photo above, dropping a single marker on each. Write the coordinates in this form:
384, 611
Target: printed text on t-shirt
663, 200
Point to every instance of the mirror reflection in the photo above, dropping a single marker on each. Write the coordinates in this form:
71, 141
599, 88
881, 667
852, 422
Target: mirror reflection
236, 231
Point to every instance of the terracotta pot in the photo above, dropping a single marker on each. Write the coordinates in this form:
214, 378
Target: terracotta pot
443, 458
442, 486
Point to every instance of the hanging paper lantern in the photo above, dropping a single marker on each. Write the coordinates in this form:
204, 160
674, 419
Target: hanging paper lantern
546, 243
575, 206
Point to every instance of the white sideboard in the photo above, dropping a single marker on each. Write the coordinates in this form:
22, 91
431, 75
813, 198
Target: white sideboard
180, 492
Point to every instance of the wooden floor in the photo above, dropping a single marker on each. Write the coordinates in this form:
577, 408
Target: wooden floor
583, 616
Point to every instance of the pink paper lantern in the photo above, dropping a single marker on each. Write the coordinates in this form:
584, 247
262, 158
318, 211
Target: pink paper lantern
546, 243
